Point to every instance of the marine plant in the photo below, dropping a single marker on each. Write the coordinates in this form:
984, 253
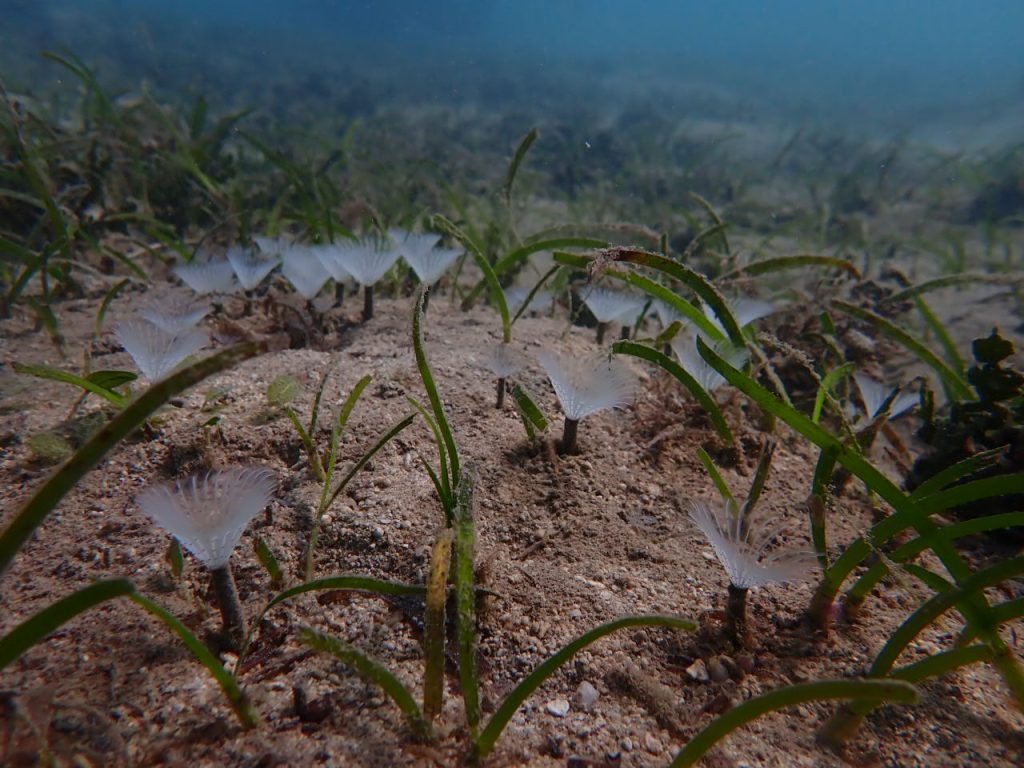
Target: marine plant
306, 195
982, 433
961, 587
328, 495
916, 512
208, 514
280, 394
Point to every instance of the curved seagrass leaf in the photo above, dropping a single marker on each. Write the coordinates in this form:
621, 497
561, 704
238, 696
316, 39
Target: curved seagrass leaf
947, 281
247, 716
441, 224
514, 258
88, 383
764, 266
871, 690
699, 393
371, 670
955, 384
436, 405
492, 731
348, 583
35, 628
685, 309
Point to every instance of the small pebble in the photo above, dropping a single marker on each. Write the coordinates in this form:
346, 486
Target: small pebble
736, 672
651, 744
587, 696
716, 670
627, 744
558, 707
698, 671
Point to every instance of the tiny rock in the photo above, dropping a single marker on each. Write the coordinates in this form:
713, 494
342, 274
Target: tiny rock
557, 707
716, 670
651, 744
587, 696
698, 671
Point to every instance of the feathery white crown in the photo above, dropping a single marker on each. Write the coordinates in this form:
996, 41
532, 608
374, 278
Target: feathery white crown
744, 311
502, 360
685, 347
304, 270
430, 265
607, 305
588, 385
271, 247
207, 276
412, 244
175, 313
874, 393
514, 298
249, 267
330, 256
365, 261
746, 554
208, 513
156, 351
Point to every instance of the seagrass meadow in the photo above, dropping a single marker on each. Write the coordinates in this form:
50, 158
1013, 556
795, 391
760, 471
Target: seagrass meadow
383, 386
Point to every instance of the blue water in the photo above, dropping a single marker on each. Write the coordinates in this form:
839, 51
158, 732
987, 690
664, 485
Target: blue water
892, 63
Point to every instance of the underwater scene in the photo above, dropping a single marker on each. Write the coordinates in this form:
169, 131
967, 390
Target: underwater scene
585, 384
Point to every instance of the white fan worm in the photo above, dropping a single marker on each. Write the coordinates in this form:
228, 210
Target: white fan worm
205, 277
304, 271
250, 269
586, 386
608, 306
156, 351
749, 556
175, 313
207, 514
709, 379
873, 395
502, 361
